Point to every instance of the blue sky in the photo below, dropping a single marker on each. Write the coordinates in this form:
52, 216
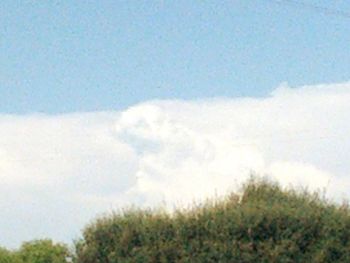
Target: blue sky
73, 56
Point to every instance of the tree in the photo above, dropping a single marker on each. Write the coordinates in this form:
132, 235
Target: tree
7, 256
43, 251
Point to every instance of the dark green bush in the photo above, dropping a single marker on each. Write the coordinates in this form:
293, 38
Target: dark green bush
263, 224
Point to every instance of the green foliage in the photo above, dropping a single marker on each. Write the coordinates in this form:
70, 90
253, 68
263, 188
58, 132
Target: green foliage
7, 256
263, 224
37, 251
43, 251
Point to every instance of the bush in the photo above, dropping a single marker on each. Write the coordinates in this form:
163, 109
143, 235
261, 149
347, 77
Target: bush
263, 224
37, 251
42, 251
7, 256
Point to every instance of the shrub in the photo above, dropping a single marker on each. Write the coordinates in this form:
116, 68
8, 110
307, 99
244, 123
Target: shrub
42, 251
7, 256
263, 224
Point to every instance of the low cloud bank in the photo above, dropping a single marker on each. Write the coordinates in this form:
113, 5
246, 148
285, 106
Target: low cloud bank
58, 172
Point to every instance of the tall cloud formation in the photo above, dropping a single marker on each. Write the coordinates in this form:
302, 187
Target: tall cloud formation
59, 172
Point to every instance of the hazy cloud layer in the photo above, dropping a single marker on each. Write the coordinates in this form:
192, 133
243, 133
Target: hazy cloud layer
58, 172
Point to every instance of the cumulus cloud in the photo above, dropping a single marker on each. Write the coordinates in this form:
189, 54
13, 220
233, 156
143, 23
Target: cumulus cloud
58, 172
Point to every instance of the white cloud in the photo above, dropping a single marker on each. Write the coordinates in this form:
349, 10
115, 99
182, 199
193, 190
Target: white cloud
58, 172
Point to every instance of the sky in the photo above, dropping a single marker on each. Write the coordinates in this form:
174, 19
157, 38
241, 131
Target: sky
72, 56
161, 103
